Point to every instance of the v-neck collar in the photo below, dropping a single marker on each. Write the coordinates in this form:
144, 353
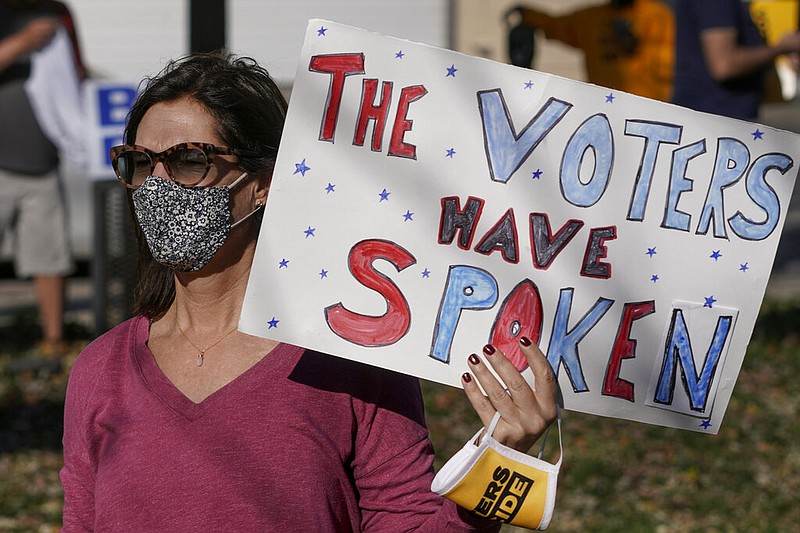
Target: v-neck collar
278, 363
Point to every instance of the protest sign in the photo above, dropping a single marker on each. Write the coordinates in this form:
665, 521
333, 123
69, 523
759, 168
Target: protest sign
107, 104
425, 203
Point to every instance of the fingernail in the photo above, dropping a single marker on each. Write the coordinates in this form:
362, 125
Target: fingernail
488, 349
474, 359
525, 341
466, 377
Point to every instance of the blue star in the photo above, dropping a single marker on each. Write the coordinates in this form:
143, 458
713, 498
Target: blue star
758, 135
528, 84
273, 323
744, 267
310, 232
323, 273
651, 251
715, 255
301, 168
321, 31
450, 153
384, 194
426, 273
610, 98
654, 278
536, 174
399, 54
408, 216
705, 424
330, 188
284, 263
709, 301
451, 71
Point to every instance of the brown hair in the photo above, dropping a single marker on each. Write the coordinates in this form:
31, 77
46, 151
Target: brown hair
249, 111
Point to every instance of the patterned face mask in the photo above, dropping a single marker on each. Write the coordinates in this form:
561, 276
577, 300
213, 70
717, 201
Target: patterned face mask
184, 227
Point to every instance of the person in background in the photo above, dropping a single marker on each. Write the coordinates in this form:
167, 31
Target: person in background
722, 59
32, 205
176, 421
627, 44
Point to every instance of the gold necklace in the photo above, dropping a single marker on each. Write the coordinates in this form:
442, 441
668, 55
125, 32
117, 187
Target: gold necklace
202, 353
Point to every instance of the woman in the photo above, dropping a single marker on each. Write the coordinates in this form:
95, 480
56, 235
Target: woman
175, 420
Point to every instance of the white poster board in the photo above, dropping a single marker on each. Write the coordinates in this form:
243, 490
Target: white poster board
425, 203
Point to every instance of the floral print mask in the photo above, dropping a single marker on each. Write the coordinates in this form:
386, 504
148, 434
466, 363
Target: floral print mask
184, 227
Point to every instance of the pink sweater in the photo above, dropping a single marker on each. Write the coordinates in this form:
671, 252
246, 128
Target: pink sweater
300, 442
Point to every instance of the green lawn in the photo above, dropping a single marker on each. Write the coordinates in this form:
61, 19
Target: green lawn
616, 476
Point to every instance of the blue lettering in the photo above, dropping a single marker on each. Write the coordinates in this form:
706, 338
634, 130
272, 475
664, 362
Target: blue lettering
114, 104
505, 150
733, 157
595, 134
764, 196
564, 344
654, 134
679, 350
466, 288
679, 184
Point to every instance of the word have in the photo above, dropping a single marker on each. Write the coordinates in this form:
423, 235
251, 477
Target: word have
339, 67
506, 152
503, 236
521, 313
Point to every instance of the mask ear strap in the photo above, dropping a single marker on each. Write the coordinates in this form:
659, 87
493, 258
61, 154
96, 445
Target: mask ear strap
492, 424
559, 408
237, 180
248, 215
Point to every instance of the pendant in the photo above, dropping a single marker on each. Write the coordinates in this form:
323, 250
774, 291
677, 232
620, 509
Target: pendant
200, 359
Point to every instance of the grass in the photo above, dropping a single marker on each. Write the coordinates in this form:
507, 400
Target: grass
616, 476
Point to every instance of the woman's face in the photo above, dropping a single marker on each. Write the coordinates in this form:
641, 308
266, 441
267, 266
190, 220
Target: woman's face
169, 123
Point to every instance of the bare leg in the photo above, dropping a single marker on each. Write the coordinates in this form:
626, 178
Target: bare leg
50, 293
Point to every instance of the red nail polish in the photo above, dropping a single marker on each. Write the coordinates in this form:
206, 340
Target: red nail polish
474, 359
488, 349
466, 377
525, 341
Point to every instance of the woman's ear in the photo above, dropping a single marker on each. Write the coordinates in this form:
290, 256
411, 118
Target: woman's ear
263, 181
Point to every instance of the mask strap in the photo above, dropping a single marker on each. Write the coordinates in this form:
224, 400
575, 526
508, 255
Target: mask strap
248, 215
559, 407
236, 181
251, 213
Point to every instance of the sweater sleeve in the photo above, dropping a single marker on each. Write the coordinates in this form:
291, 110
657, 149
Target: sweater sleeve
77, 474
393, 463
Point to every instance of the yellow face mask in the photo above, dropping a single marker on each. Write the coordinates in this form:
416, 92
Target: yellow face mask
498, 482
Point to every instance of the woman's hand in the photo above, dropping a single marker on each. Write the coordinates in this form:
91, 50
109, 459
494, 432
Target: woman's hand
525, 413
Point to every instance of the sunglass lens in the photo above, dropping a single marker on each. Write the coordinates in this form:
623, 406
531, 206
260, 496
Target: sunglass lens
188, 165
133, 166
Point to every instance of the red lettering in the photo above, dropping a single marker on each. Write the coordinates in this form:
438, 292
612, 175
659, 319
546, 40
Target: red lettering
368, 330
624, 348
371, 111
545, 245
520, 315
455, 219
503, 237
401, 124
339, 66
595, 251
